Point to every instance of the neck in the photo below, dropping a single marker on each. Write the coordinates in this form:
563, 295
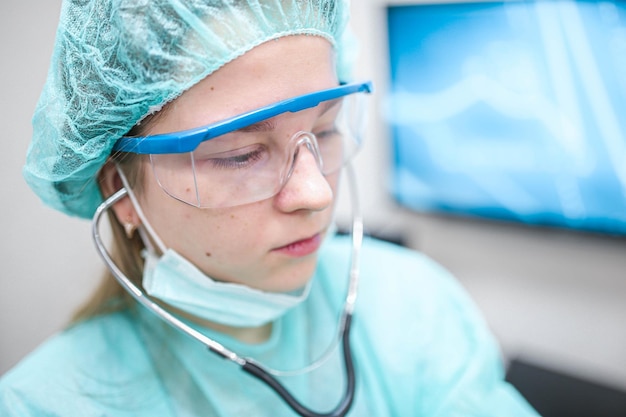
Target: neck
249, 335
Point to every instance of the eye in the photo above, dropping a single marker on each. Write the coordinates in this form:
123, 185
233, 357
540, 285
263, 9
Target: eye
237, 159
330, 132
328, 126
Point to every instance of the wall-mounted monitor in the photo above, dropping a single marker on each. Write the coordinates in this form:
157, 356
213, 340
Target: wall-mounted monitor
511, 110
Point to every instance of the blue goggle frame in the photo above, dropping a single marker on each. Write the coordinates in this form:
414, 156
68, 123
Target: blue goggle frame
188, 140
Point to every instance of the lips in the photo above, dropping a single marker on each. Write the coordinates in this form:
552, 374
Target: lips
302, 247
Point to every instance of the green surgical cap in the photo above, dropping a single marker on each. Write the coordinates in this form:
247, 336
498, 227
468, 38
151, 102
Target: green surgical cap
116, 61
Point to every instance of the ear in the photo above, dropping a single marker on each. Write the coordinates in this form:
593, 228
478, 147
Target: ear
110, 182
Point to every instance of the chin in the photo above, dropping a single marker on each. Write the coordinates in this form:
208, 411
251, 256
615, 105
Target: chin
295, 277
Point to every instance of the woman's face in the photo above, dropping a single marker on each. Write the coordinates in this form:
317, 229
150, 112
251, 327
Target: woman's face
271, 244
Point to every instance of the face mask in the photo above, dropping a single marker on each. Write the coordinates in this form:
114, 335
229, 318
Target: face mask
176, 281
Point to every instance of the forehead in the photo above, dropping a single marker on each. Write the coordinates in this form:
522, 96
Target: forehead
271, 72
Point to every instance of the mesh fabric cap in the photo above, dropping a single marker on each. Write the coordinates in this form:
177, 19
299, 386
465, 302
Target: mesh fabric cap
115, 61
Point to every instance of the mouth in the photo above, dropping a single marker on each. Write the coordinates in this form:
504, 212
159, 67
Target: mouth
300, 248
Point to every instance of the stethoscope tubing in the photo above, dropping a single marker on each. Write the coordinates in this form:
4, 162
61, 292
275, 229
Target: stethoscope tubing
346, 402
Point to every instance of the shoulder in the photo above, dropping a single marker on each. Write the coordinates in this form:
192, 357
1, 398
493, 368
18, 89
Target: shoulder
405, 288
420, 334
83, 344
410, 299
92, 365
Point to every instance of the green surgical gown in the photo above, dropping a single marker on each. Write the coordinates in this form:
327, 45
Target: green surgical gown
420, 349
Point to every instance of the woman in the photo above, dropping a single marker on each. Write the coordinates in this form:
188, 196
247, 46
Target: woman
214, 130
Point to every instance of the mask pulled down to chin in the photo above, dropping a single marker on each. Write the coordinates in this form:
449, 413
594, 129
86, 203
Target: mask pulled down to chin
176, 281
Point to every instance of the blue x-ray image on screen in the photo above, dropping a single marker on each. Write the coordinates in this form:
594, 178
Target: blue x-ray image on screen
511, 110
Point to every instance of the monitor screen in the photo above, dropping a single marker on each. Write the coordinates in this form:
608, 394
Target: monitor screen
512, 110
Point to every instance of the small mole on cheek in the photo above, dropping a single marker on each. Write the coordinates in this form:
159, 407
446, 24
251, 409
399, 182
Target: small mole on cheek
212, 88
208, 254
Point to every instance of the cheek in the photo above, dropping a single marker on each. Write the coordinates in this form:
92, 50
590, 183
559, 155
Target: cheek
172, 221
221, 231
211, 236
225, 245
195, 232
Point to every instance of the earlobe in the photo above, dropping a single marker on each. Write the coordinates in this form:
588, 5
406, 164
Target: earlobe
129, 228
110, 182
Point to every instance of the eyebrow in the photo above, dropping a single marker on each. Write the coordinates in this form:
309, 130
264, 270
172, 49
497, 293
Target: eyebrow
262, 126
268, 125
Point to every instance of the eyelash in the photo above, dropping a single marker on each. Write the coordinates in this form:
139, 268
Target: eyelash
327, 132
238, 161
247, 159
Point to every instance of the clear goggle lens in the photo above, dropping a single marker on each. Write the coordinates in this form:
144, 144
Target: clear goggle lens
254, 163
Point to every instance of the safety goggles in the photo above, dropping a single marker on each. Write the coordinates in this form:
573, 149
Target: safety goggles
249, 157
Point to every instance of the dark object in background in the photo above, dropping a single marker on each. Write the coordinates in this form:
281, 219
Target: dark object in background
555, 394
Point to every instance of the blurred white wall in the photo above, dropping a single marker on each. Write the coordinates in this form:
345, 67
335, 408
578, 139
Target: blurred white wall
555, 297
48, 264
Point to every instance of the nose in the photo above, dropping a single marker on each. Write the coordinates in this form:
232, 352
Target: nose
306, 188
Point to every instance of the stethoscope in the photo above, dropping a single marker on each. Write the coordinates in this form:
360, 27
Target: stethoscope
247, 364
